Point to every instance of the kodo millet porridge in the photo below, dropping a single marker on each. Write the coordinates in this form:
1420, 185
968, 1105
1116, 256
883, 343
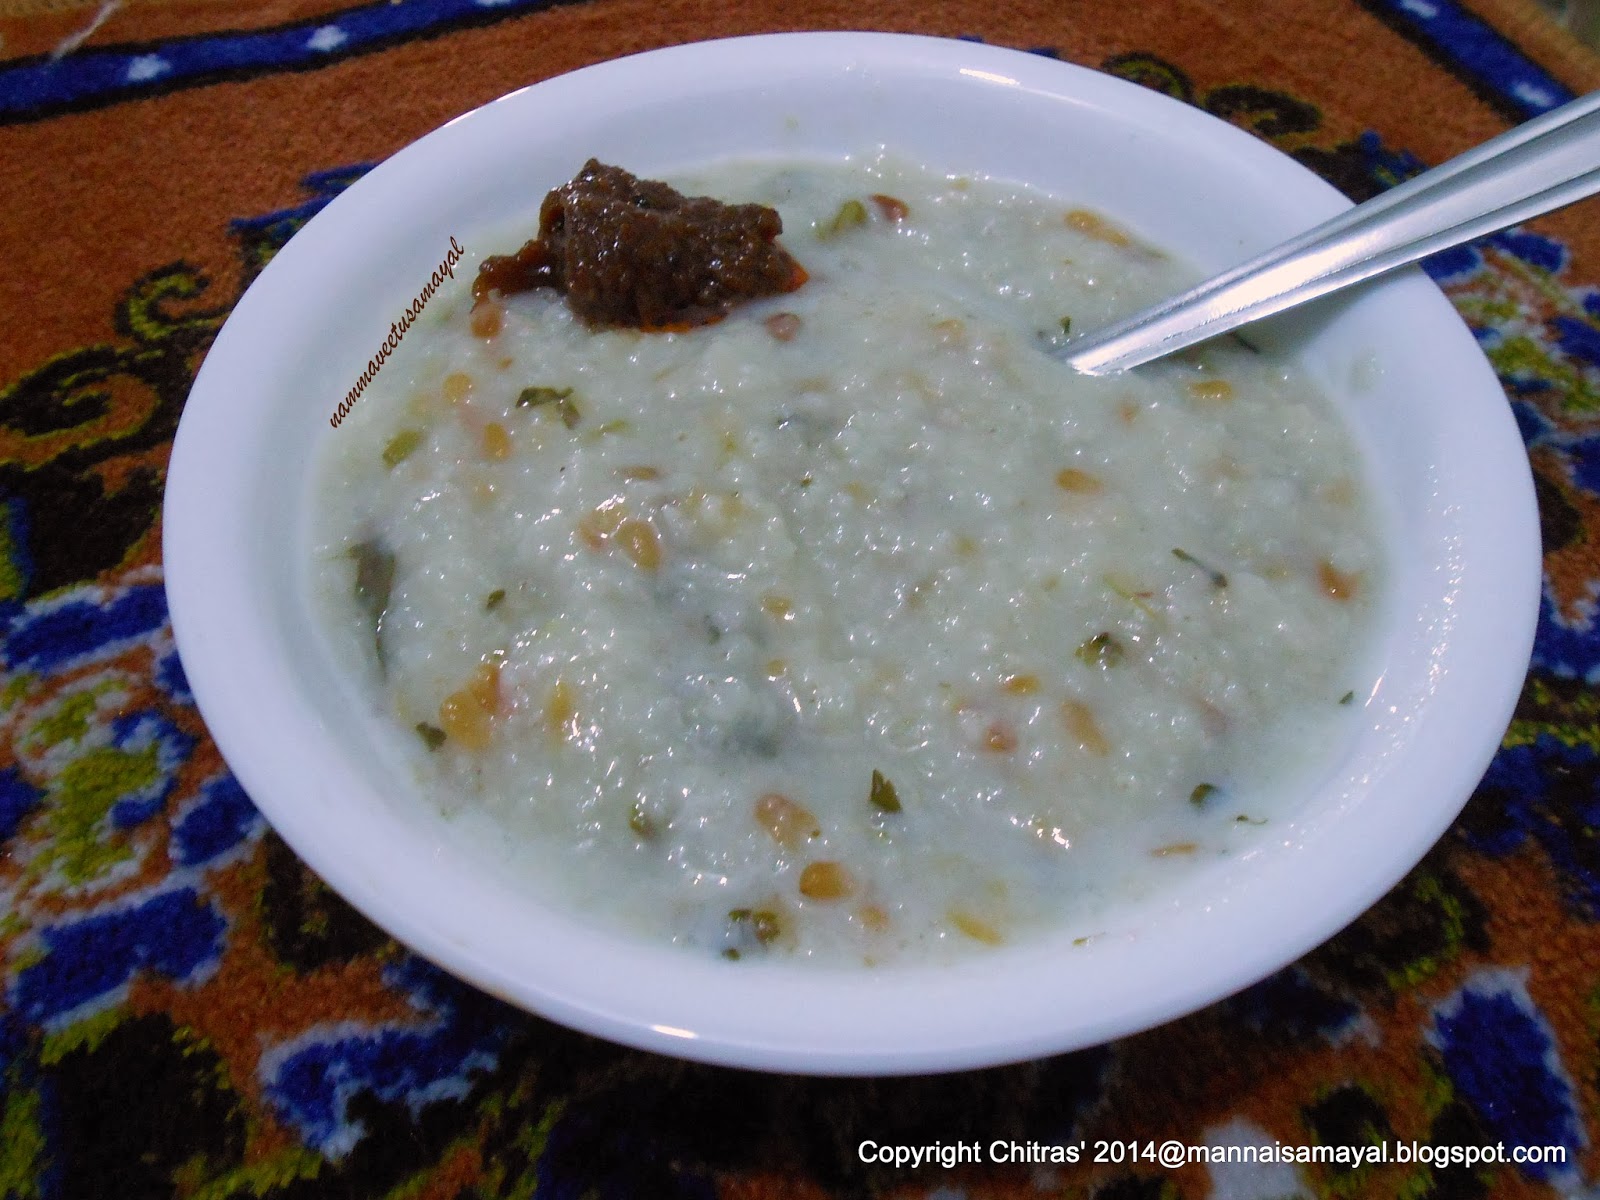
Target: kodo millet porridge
852, 626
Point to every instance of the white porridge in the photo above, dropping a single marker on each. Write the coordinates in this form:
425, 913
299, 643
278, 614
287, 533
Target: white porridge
853, 626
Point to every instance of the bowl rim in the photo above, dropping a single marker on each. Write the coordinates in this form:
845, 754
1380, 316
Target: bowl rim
238, 686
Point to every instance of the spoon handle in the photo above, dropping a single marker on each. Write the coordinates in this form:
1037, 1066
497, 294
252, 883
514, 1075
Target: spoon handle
1543, 164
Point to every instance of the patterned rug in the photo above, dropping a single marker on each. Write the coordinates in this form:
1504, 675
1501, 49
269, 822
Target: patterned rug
189, 1012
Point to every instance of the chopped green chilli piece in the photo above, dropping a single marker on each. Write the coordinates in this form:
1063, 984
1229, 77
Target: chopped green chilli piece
1218, 579
851, 213
882, 794
494, 599
1066, 326
400, 447
432, 736
1102, 650
1202, 792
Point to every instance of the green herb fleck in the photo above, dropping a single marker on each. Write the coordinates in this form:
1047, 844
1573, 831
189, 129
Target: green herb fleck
400, 447
851, 213
1347, 698
882, 794
494, 599
763, 922
1102, 650
1066, 326
639, 821
432, 736
1218, 579
532, 397
1202, 792
1242, 819
1140, 600
731, 954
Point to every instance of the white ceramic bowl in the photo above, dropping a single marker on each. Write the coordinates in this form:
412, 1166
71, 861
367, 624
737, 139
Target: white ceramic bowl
1449, 465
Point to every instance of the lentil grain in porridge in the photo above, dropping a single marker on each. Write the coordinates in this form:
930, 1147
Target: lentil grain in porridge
851, 626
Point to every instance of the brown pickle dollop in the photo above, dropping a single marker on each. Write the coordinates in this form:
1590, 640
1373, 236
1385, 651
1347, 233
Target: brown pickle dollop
639, 254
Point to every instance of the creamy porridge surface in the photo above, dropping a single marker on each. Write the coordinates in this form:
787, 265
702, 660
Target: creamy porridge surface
853, 627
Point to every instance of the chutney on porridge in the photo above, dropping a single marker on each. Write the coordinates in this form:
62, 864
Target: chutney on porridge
635, 252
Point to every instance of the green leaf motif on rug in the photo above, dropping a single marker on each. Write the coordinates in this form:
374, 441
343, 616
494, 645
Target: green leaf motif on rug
1450, 921
68, 723
13, 580
81, 798
1522, 357
263, 1178
86, 1035
1566, 713
16, 690
22, 1144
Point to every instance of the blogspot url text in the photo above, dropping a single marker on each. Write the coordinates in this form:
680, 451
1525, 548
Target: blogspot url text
1173, 1153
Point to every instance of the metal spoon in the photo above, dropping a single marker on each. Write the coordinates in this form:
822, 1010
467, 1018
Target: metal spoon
1543, 164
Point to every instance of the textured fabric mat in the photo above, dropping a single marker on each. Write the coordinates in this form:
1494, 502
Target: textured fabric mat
189, 1012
